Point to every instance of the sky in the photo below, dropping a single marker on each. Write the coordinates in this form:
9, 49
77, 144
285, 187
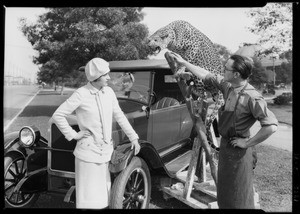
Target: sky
225, 26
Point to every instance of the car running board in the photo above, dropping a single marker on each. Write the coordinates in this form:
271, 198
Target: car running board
179, 163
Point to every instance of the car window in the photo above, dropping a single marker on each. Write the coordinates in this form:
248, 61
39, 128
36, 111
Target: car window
165, 86
132, 85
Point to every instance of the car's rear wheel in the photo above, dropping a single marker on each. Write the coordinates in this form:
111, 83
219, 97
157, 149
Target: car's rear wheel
14, 170
132, 187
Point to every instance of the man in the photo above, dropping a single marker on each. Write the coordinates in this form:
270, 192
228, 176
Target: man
243, 107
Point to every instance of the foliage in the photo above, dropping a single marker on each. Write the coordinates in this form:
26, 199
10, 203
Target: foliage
258, 75
283, 99
76, 80
223, 52
48, 72
72, 36
284, 73
288, 55
273, 23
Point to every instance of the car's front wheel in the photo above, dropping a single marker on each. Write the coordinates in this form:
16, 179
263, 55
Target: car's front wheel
14, 170
132, 187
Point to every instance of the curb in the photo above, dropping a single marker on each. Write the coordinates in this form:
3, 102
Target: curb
10, 122
285, 123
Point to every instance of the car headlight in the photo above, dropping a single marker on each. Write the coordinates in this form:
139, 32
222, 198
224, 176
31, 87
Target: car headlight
28, 135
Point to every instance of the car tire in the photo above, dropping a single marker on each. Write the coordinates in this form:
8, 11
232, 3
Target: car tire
14, 170
131, 189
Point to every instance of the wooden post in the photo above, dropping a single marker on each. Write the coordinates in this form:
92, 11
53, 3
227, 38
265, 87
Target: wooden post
192, 168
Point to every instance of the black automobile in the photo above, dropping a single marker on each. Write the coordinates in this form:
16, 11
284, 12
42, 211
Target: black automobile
155, 107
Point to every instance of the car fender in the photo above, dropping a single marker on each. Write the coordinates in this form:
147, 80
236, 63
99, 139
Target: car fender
11, 144
35, 156
33, 182
149, 154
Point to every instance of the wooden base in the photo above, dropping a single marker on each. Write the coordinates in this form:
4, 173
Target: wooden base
192, 202
201, 196
208, 187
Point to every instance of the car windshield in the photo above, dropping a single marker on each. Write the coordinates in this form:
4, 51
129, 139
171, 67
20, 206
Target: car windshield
132, 85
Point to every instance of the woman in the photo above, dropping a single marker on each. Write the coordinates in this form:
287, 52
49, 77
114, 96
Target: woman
95, 104
243, 107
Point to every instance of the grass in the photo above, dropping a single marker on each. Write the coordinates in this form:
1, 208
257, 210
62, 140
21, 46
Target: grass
273, 178
273, 174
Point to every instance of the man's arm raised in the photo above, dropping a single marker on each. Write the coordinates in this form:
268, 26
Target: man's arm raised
196, 70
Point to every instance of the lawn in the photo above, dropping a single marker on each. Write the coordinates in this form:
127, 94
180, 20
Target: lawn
273, 178
273, 174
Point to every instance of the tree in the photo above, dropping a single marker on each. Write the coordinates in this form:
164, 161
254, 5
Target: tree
223, 52
48, 72
273, 23
288, 55
285, 72
72, 36
258, 75
76, 79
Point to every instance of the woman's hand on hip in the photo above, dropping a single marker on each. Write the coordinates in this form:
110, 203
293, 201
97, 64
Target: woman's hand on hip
239, 142
136, 146
82, 134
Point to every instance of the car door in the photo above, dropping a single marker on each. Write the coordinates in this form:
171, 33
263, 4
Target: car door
170, 123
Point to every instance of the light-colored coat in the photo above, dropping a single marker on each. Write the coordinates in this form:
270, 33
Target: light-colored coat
94, 110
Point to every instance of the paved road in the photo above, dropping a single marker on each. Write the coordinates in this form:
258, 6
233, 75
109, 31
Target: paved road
282, 138
16, 97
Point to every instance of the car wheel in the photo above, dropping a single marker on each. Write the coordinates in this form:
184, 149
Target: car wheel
14, 170
132, 187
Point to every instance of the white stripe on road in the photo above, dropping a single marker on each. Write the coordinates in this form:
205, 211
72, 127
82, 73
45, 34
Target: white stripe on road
10, 122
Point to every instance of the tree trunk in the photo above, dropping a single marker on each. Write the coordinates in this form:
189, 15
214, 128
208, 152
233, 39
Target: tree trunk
62, 88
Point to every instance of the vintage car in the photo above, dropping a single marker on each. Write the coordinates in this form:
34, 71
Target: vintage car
153, 103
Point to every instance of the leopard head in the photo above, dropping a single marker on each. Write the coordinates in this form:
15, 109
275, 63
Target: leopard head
160, 40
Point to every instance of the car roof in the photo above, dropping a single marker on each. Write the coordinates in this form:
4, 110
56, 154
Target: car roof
137, 65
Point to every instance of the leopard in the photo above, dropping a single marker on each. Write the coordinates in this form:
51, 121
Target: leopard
195, 47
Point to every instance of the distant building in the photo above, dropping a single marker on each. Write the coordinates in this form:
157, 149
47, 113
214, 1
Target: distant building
11, 80
8, 80
18, 80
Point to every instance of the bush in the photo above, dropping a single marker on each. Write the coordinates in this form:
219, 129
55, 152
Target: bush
270, 89
283, 99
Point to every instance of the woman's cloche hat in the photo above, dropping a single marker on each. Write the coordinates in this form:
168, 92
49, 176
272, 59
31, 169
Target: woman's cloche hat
96, 68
